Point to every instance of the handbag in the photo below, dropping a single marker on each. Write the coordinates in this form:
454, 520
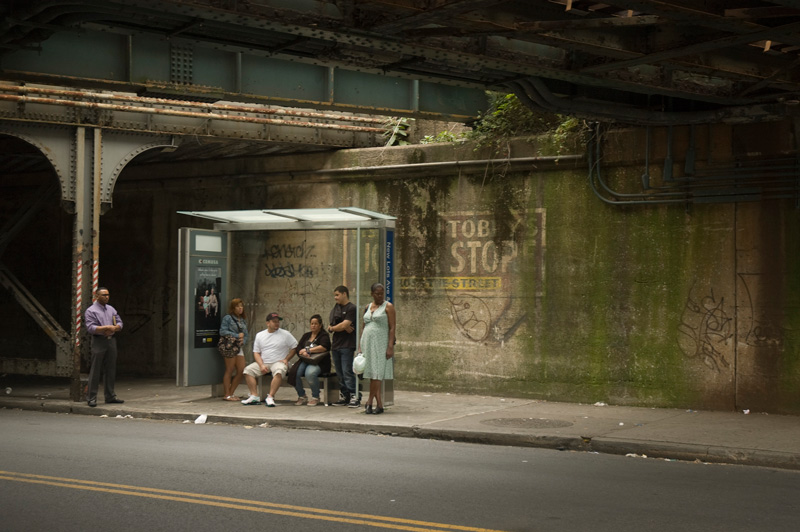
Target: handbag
291, 376
229, 346
313, 358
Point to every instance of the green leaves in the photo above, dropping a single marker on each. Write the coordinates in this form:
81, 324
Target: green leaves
396, 131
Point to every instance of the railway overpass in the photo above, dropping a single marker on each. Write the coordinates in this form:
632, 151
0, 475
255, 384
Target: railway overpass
91, 87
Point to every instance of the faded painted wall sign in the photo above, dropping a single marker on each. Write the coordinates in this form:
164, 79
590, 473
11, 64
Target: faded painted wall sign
476, 272
473, 251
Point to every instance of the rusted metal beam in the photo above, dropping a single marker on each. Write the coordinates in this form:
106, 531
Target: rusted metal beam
40, 315
432, 15
191, 114
81, 177
592, 23
33, 366
696, 48
213, 107
762, 12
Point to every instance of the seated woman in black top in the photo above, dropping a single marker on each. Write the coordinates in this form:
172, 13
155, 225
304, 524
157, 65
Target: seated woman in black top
312, 344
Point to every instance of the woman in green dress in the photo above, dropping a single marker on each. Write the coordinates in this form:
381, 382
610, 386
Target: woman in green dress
377, 345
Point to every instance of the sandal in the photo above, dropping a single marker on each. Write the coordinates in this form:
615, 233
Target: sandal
231, 398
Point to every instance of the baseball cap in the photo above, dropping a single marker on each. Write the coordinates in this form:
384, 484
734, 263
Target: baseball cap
272, 315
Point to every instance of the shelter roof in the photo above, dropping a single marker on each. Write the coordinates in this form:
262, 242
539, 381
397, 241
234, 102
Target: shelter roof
295, 219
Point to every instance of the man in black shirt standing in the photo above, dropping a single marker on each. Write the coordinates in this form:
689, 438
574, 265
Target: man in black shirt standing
343, 345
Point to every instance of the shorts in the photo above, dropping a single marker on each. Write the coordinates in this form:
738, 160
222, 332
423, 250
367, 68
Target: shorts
276, 368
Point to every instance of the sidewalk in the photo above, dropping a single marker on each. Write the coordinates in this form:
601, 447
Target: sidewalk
726, 437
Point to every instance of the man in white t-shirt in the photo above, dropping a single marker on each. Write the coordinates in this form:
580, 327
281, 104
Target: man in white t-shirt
272, 351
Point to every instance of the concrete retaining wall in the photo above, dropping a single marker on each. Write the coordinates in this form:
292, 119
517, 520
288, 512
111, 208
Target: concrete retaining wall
512, 278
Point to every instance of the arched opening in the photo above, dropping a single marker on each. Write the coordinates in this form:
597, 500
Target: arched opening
35, 254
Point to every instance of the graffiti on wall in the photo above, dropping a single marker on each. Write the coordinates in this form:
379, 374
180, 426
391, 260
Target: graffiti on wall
476, 320
295, 274
288, 261
706, 329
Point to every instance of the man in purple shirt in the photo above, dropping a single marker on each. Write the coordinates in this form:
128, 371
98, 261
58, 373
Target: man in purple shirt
102, 322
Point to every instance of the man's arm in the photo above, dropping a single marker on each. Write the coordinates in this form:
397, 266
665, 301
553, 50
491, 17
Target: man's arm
346, 326
91, 322
93, 326
390, 313
290, 356
257, 358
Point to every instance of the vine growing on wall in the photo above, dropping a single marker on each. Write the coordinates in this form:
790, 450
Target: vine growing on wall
395, 131
508, 118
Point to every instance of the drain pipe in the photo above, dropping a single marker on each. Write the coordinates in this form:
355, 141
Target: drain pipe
692, 194
440, 165
466, 166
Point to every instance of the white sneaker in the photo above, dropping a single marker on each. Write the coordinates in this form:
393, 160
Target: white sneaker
251, 400
270, 401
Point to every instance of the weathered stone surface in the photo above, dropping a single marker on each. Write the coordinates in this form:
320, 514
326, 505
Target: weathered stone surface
512, 278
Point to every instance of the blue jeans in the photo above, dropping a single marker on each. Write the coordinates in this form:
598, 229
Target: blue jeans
343, 361
311, 373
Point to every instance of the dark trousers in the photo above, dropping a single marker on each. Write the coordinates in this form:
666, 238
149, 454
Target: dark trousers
104, 361
343, 362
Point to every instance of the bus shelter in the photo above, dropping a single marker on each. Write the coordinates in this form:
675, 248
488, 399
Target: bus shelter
277, 260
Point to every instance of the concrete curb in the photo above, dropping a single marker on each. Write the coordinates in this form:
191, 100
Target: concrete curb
696, 452
651, 449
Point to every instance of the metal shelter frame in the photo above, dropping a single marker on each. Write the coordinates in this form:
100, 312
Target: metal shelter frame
313, 219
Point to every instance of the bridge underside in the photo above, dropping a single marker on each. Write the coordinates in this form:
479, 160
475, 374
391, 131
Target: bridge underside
634, 61
91, 85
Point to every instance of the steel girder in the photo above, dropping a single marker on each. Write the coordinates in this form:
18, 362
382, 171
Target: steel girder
87, 162
673, 55
162, 116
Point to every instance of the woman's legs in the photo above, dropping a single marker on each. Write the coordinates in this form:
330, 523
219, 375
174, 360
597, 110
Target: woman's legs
237, 377
298, 382
230, 364
375, 391
312, 376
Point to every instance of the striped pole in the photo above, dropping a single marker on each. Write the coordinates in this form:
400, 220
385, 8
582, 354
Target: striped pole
95, 276
78, 295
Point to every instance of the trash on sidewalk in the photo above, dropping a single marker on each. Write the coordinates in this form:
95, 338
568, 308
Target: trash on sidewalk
200, 419
600, 403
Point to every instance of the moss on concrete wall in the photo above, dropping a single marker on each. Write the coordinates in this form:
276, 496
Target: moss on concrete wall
515, 279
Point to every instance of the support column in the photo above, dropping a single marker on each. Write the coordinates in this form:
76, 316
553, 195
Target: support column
83, 171
77, 155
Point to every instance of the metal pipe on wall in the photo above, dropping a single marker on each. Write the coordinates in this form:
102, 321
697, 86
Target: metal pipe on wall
535, 94
687, 191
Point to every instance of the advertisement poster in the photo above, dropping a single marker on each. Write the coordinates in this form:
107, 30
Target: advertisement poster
208, 307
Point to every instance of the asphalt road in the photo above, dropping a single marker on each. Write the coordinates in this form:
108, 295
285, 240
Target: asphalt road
65, 472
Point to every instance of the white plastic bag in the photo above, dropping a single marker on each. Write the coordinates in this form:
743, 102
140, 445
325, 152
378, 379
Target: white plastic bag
359, 363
